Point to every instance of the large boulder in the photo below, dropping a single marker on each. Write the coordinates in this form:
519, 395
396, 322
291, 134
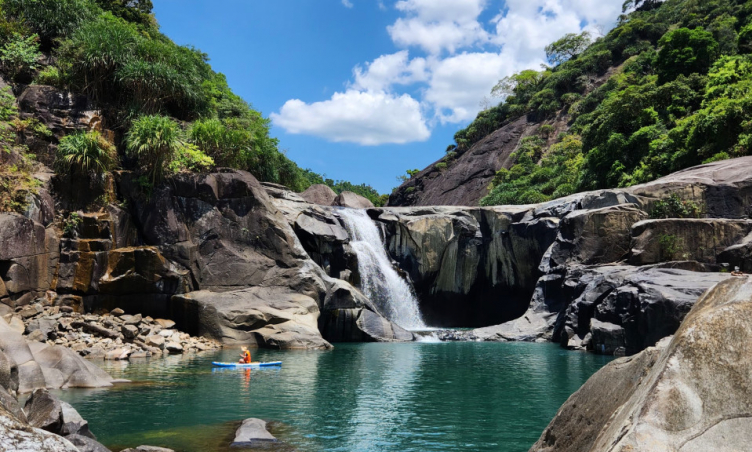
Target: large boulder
44, 411
48, 366
17, 435
352, 200
275, 317
252, 433
690, 396
319, 194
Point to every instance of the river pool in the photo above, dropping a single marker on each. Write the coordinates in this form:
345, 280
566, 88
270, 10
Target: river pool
464, 396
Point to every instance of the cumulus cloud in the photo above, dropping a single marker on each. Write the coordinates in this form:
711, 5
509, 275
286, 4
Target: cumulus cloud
463, 59
366, 118
388, 70
437, 25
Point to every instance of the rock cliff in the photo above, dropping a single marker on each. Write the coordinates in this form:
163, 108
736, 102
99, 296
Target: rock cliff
688, 394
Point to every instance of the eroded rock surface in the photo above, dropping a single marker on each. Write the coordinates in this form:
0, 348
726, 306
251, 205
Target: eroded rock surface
689, 396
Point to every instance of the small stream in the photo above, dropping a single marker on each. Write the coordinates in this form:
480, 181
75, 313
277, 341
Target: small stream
465, 396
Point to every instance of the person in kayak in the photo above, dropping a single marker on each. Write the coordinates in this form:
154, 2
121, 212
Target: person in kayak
245, 356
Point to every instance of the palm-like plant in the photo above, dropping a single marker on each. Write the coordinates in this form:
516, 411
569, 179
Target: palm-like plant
154, 140
86, 153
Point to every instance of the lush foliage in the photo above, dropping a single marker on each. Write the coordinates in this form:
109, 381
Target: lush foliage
670, 87
568, 47
20, 55
86, 153
169, 110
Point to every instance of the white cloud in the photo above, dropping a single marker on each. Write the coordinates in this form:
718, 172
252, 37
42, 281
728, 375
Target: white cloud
366, 118
437, 25
448, 87
475, 73
388, 70
347, 3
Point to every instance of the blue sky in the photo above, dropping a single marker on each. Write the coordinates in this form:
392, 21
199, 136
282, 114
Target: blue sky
363, 90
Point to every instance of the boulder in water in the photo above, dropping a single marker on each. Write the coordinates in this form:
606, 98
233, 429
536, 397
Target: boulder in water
252, 433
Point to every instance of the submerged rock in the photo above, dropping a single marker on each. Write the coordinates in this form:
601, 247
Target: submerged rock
252, 433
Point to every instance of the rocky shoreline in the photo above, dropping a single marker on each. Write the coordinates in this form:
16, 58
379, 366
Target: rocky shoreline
111, 336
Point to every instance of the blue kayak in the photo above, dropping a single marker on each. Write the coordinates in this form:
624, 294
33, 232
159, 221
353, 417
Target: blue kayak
248, 366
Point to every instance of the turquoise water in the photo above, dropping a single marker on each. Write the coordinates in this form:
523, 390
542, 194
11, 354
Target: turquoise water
358, 397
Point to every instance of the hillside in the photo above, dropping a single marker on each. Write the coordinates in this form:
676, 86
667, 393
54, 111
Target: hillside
667, 89
92, 86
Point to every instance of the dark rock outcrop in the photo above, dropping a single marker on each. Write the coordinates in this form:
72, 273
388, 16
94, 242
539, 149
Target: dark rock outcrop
689, 395
465, 180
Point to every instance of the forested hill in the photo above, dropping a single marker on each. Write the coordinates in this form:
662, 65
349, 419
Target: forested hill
668, 88
91, 86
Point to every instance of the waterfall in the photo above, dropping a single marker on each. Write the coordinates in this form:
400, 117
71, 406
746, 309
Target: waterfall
379, 281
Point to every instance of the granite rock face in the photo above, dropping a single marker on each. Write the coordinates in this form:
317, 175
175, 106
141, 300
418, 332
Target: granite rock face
352, 200
464, 181
319, 194
687, 395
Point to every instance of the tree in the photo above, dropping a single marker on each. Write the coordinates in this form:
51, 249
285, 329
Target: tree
566, 48
20, 55
640, 5
684, 51
522, 85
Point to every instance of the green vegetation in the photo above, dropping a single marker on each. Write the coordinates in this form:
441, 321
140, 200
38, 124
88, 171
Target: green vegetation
168, 109
670, 87
568, 47
71, 223
86, 153
670, 247
674, 207
154, 141
19, 55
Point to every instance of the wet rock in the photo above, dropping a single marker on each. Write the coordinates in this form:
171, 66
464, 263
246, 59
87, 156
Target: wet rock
148, 449
174, 348
252, 433
73, 423
156, 341
117, 312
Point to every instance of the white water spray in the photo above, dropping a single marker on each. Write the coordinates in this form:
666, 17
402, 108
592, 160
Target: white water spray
379, 281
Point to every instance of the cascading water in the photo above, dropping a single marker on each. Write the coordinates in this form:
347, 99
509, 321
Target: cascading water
379, 281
